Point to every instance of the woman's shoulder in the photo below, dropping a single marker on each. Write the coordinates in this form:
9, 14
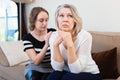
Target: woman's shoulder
84, 33
27, 36
53, 36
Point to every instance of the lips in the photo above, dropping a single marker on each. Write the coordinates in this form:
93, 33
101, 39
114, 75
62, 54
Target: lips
65, 25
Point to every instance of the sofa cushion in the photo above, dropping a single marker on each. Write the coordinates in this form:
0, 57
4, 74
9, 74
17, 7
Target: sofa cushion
12, 53
107, 63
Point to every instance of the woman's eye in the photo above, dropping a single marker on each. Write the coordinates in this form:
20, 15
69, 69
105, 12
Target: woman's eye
46, 20
61, 15
41, 20
70, 16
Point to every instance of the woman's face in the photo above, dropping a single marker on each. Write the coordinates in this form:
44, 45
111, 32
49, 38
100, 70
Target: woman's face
65, 20
41, 21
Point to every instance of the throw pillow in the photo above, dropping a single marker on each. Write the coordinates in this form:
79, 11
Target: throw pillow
14, 53
107, 63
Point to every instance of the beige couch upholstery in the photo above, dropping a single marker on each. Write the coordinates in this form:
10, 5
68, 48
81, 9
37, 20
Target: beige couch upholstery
12, 60
102, 41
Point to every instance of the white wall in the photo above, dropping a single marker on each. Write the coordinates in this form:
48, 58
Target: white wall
97, 15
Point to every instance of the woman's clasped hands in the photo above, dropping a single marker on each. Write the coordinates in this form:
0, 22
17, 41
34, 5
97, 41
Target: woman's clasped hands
65, 38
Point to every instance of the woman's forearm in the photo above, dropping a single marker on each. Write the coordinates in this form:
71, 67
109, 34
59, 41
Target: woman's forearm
41, 55
72, 56
57, 55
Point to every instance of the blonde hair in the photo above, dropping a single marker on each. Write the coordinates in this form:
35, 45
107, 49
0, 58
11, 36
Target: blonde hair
76, 17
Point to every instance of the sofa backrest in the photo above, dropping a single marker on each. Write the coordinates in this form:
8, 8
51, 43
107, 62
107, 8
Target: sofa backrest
106, 40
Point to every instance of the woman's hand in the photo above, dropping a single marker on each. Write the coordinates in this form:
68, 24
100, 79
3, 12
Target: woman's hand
47, 36
58, 41
66, 37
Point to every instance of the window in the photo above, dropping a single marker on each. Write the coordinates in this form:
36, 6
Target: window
8, 21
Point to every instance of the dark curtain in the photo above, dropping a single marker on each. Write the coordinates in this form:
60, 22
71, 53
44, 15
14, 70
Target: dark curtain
22, 29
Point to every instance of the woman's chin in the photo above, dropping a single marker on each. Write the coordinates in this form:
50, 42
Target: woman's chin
64, 29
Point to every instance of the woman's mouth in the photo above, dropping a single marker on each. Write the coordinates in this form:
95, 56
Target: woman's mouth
65, 25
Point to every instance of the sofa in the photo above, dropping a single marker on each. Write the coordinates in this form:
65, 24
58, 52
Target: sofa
105, 52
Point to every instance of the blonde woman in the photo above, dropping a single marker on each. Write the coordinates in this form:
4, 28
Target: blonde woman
71, 48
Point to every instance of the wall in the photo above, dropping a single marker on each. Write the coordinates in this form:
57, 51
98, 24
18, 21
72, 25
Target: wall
97, 15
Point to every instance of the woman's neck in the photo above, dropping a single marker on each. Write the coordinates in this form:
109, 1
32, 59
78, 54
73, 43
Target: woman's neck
39, 33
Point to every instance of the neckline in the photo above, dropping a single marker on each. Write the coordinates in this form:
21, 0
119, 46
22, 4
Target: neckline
36, 39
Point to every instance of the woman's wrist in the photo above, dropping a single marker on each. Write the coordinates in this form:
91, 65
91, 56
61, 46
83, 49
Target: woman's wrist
55, 45
46, 45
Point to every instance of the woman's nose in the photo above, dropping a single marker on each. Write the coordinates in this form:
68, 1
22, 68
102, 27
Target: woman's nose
45, 22
65, 18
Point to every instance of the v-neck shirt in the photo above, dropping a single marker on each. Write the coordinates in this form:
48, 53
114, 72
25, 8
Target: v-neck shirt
82, 45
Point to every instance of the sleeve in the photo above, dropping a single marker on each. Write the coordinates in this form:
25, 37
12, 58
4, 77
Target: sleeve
27, 44
83, 52
57, 66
